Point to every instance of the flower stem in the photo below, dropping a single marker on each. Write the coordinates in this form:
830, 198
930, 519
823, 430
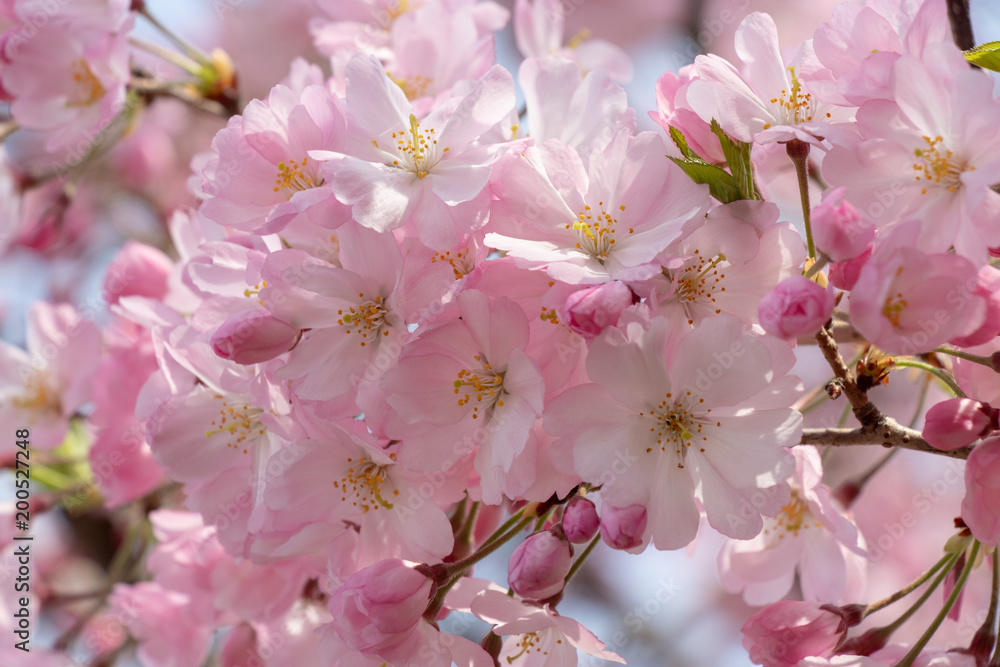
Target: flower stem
185, 63
908, 659
818, 265
579, 561
909, 588
936, 372
798, 151
459, 567
968, 356
192, 52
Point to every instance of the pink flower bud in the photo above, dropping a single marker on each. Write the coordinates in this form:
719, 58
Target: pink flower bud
782, 634
796, 307
839, 229
843, 275
253, 336
987, 287
137, 270
623, 527
589, 311
539, 565
580, 521
981, 505
378, 608
957, 423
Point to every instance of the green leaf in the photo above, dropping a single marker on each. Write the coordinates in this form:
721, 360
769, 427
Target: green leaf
720, 182
985, 55
738, 157
682, 145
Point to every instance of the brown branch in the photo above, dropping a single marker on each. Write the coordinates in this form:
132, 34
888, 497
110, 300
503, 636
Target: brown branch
889, 434
867, 414
961, 24
842, 332
876, 428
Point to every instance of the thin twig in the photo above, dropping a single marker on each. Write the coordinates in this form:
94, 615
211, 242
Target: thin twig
889, 434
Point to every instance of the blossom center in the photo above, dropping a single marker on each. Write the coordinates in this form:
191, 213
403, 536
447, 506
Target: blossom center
893, 308
698, 280
462, 261
416, 149
676, 427
530, 642
794, 516
793, 106
485, 385
938, 164
414, 86
38, 395
239, 421
362, 485
87, 88
295, 177
367, 319
595, 231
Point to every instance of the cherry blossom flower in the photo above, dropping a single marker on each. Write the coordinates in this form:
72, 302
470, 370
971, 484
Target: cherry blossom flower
767, 100
957, 423
553, 95
862, 41
666, 413
726, 265
911, 301
42, 387
535, 636
810, 538
260, 175
539, 29
468, 380
343, 480
981, 505
427, 174
796, 307
785, 632
929, 154
606, 224
67, 79
170, 630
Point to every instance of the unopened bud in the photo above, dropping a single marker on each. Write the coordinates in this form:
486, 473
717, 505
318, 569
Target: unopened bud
539, 565
253, 336
580, 521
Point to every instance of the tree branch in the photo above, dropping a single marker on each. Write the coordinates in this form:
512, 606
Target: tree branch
842, 332
961, 24
876, 428
889, 434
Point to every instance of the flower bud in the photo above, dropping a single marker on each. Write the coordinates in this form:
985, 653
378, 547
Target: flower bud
843, 275
580, 521
782, 634
796, 307
981, 505
987, 287
378, 608
957, 423
623, 527
253, 336
839, 229
137, 270
589, 311
539, 565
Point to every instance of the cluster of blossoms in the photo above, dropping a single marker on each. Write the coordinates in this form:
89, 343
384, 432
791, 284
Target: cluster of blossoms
405, 323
